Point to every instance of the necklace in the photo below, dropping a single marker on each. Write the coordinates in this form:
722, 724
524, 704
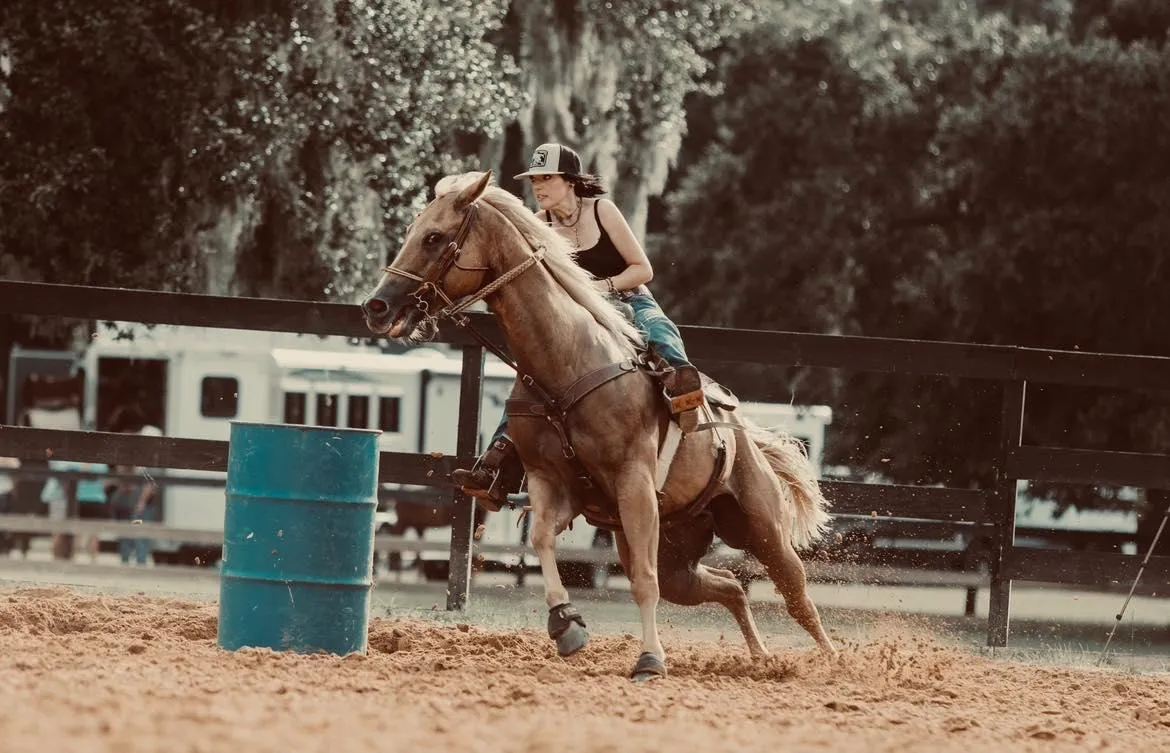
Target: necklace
562, 223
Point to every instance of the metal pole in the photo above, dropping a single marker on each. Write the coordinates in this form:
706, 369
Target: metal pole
463, 510
1138, 577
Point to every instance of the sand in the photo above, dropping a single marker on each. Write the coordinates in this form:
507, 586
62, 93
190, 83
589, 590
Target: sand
84, 672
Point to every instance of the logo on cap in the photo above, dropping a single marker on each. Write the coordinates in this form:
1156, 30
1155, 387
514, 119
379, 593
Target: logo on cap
539, 158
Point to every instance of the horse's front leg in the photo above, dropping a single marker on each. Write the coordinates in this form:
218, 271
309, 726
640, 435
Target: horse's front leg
551, 514
638, 506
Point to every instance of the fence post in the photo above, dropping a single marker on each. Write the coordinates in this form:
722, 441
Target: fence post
1003, 514
463, 509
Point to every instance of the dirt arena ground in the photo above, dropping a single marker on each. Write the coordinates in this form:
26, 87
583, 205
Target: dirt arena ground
82, 670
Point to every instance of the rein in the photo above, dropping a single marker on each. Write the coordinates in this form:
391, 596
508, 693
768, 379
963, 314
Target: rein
554, 410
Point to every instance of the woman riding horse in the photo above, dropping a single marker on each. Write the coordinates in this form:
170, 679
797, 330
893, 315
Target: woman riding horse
594, 415
605, 247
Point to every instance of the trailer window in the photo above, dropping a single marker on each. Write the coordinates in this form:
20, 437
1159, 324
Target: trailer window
294, 408
326, 410
220, 397
388, 414
358, 412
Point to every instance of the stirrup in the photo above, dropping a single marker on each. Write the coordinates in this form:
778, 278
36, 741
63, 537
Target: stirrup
684, 392
686, 401
481, 484
486, 482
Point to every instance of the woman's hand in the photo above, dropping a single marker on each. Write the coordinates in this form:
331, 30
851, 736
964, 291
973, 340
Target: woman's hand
601, 286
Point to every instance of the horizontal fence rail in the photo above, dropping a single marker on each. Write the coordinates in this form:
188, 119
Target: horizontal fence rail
876, 354
27, 443
1147, 470
896, 500
992, 509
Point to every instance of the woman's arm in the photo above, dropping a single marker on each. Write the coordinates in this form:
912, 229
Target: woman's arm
638, 272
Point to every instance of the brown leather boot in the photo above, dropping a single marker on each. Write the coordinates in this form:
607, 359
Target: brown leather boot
684, 387
496, 474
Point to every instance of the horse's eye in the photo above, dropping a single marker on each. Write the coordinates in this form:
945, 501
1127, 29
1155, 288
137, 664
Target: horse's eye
432, 238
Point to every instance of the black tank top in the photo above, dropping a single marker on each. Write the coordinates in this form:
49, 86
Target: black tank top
602, 259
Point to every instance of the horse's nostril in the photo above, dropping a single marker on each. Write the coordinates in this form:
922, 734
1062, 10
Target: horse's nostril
376, 306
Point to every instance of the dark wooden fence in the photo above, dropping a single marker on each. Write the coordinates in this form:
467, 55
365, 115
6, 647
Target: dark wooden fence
1012, 367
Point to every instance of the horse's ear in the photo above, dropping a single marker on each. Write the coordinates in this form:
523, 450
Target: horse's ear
474, 190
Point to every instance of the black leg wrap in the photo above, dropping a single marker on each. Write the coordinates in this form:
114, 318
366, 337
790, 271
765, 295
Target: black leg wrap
566, 626
560, 619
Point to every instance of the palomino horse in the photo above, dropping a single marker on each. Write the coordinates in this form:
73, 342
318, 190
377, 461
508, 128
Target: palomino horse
604, 446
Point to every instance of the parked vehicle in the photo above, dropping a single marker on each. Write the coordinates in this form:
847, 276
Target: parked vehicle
192, 382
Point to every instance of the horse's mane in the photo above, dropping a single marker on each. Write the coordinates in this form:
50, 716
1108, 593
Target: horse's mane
559, 259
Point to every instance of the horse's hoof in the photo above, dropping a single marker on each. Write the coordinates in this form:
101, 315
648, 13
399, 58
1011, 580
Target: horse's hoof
572, 640
649, 667
566, 626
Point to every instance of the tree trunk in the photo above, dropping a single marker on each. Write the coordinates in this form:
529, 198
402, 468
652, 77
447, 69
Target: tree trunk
574, 77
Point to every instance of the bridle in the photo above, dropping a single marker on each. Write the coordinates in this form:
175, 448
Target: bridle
553, 409
430, 286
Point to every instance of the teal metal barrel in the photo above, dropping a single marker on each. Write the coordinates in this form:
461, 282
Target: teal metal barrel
298, 538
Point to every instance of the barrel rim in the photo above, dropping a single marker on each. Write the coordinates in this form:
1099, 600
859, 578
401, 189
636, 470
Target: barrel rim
320, 429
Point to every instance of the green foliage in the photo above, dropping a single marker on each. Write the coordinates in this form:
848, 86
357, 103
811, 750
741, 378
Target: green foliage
1124, 20
1066, 223
362, 105
98, 106
316, 126
810, 163
662, 47
808, 205
963, 179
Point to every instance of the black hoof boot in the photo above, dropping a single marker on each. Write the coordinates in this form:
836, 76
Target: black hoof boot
649, 667
566, 626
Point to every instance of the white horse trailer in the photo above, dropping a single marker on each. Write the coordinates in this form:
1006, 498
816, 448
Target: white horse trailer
192, 382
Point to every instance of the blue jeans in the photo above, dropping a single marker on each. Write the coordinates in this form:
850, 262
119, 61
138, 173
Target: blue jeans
659, 330
139, 548
655, 325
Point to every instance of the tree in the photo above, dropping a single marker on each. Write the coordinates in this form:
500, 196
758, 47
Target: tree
611, 79
808, 206
1066, 223
274, 149
964, 179
1124, 20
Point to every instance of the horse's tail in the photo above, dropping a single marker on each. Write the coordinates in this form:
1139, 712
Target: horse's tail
788, 459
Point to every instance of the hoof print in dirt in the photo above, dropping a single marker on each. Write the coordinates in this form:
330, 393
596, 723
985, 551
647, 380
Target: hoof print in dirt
649, 667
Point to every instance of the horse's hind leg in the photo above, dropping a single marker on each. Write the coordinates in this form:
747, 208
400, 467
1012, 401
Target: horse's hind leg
692, 583
724, 573
774, 550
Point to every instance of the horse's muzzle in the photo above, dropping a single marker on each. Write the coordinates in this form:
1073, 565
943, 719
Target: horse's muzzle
378, 313
391, 314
